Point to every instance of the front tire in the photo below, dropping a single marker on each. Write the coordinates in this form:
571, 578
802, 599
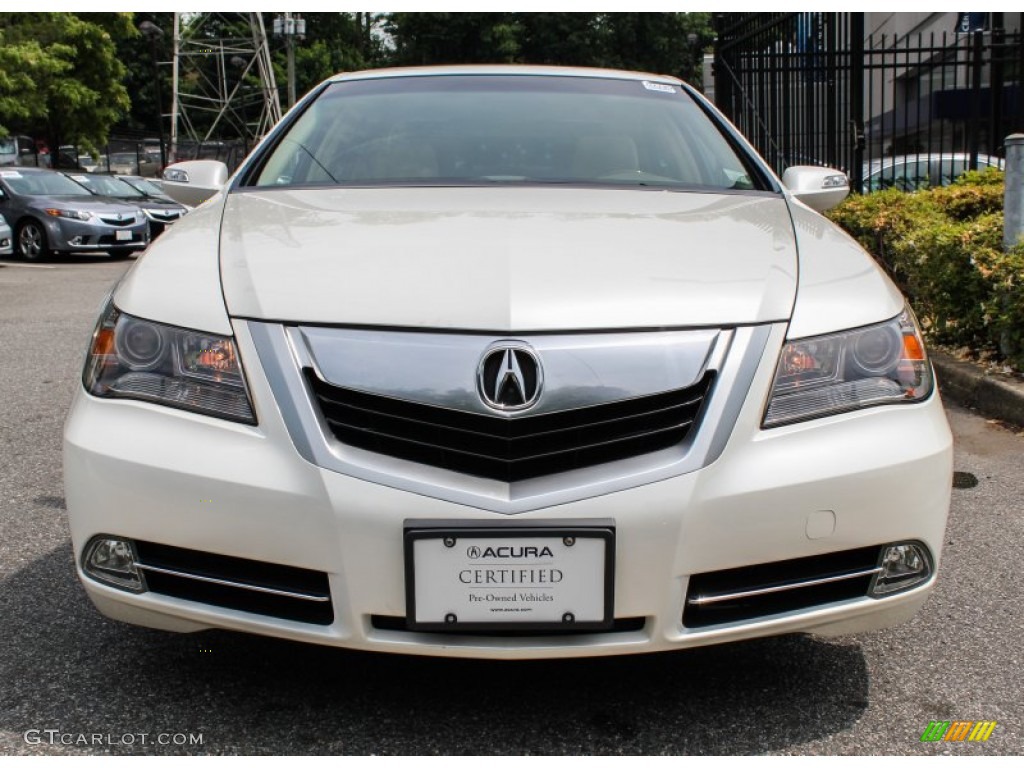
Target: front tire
32, 243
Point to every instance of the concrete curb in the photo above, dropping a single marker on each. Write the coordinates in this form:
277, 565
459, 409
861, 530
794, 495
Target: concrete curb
991, 394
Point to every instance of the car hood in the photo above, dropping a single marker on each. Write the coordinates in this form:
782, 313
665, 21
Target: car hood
155, 204
91, 203
508, 259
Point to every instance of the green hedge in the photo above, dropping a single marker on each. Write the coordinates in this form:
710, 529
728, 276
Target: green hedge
943, 247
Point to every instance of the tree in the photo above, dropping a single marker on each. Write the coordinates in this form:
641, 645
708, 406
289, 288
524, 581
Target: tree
665, 43
59, 72
453, 38
135, 51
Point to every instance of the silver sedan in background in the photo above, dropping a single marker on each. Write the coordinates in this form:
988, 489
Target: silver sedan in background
50, 213
161, 211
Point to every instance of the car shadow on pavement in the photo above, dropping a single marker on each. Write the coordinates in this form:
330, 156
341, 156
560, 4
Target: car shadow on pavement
66, 667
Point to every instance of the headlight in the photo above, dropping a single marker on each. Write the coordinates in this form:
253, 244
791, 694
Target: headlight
139, 360
877, 365
68, 214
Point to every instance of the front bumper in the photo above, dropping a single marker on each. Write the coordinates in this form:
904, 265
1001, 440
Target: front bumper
152, 474
74, 236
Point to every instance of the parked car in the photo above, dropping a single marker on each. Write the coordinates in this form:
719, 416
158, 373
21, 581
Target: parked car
17, 151
149, 187
50, 213
135, 164
161, 211
6, 238
507, 362
88, 164
911, 172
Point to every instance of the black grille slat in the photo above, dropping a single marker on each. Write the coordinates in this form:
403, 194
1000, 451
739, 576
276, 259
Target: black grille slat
779, 574
513, 449
503, 448
488, 426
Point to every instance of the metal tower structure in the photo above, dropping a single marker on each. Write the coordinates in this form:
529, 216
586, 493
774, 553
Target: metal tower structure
214, 55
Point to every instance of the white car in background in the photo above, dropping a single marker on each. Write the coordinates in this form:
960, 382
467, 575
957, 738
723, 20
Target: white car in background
908, 173
507, 362
6, 238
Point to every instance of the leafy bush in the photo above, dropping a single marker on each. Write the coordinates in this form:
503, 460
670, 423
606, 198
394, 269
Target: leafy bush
943, 247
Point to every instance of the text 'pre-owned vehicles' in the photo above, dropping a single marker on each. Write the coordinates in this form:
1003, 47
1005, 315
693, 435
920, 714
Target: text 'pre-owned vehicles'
507, 362
50, 213
160, 211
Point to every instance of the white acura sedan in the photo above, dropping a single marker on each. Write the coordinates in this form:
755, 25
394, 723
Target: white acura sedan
507, 362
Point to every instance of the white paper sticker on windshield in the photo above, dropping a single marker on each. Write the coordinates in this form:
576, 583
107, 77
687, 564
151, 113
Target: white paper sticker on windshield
663, 87
83, 179
9, 175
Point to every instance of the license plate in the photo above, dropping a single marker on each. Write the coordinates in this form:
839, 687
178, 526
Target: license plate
509, 577
122, 234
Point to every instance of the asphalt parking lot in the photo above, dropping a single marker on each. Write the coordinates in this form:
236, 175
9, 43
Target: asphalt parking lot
72, 682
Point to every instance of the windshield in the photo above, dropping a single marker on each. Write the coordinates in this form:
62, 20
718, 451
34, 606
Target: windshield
8, 147
107, 185
46, 183
148, 187
505, 129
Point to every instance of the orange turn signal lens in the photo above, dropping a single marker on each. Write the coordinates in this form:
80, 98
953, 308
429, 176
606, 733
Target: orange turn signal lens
103, 342
912, 347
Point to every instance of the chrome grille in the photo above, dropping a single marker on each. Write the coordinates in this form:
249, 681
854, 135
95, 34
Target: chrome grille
124, 221
509, 449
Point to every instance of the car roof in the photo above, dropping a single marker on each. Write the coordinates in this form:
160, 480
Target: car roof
503, 69
885, 162
30, 169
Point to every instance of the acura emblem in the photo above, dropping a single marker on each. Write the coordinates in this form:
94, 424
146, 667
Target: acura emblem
509, 377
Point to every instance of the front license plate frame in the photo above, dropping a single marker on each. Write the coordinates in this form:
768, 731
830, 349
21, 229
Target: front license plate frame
555, 532
122, 235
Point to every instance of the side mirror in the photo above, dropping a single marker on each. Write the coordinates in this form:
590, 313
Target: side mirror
816, 187
193, 182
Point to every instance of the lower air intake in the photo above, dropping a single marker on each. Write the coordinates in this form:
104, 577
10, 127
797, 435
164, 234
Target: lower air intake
761, 591
267, 589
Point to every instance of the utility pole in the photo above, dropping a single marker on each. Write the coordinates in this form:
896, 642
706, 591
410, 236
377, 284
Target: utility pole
290, 27
290, 39
153, 33
172, 156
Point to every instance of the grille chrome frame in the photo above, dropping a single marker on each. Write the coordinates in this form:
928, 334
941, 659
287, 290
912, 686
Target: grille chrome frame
125, 221
734, 359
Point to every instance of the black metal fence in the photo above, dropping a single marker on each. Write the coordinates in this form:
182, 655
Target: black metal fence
813, 89
138, 154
